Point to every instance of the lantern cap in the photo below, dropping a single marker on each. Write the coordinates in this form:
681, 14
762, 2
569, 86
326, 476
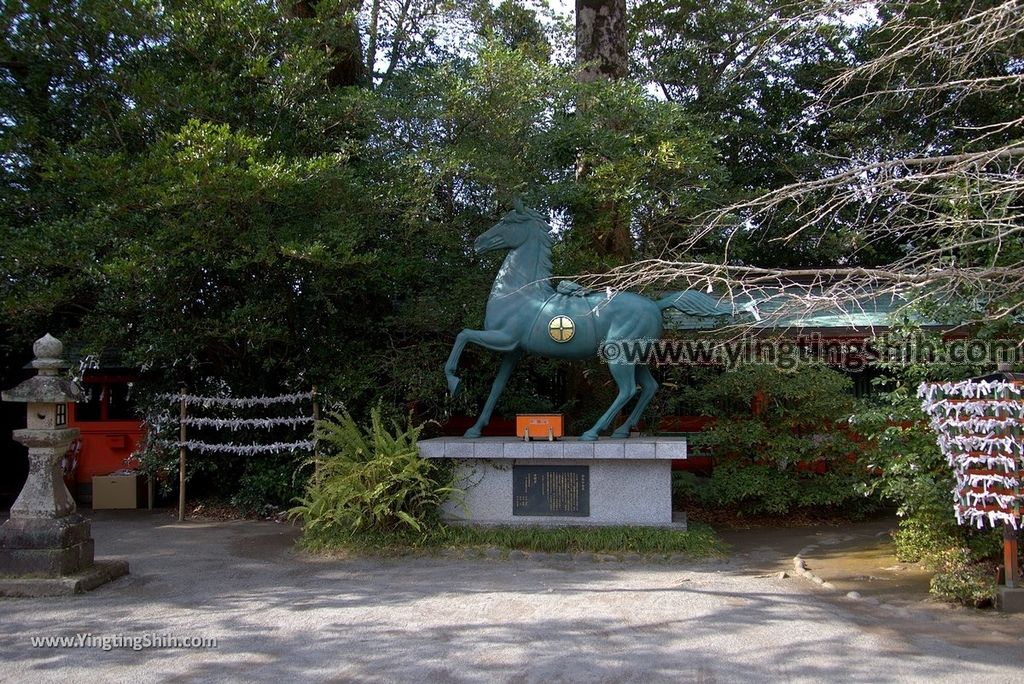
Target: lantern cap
49, 353
46, 387
48, 347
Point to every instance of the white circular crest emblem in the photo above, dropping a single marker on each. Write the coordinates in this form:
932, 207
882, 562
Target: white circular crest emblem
561, 328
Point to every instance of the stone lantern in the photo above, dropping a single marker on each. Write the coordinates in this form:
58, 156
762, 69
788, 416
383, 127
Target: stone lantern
45, 546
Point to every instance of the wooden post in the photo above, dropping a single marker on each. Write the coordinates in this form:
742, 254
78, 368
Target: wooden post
1011, 565
316, 417
181, 459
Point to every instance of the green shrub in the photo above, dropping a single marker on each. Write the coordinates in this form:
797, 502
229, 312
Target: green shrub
962, 578
267, 483
764, 458
924, 538
372, 480
752, 487
759, 488
920, 540
685, 487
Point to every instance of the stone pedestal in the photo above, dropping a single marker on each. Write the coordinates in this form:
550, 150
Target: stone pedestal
508, 481
45, 547
44, 495
1010, 599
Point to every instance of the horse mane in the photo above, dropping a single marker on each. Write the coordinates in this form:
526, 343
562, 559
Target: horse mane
537, 221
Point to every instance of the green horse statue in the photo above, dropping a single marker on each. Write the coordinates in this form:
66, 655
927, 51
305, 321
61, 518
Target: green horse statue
526, 314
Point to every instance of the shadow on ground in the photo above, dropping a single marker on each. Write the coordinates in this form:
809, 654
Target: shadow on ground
279, 615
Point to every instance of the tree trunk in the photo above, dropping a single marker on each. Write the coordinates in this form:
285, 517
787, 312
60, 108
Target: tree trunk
602, 53
371, 41
601, 39
345, 52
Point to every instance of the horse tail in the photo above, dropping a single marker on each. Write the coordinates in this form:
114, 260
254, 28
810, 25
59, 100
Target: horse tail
695, 303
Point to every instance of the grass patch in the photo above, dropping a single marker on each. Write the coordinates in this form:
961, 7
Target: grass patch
699, 541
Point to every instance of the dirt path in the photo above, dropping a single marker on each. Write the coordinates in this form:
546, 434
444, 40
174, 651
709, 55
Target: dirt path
857, 557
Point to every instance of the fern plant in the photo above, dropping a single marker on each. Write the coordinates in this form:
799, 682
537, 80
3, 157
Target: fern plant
372, 479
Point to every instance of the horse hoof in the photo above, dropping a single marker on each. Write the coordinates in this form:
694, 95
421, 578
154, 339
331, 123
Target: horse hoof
620, 435
454, 385
471, 433
588, 436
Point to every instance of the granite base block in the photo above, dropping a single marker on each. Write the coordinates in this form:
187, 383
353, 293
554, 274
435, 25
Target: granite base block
96, 575
44, 533
620, 493
1010, 600
47, 562
47, 547
629, 480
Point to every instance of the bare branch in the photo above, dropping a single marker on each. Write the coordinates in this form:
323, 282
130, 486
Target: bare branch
957, 214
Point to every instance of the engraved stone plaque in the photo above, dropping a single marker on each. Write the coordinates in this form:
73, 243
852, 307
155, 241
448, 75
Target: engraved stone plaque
551, 490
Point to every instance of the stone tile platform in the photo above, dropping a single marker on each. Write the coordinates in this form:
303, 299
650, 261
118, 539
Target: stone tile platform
634, 448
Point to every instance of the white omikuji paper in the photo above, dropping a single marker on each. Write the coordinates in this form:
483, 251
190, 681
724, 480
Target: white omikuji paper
249, 449
243, 423
979, 426
238, 402
235, 423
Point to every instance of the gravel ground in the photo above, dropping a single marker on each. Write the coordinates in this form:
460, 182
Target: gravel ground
280, 616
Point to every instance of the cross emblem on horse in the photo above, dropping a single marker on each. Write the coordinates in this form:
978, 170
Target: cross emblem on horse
525, 314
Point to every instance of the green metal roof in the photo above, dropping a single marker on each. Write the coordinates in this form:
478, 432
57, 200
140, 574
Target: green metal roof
794, 308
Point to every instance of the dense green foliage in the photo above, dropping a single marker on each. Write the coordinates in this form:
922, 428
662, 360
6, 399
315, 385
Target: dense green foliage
215, 192
699, 541
739, 68
911, 473
188, 183
372, 480
257, 197
779, 441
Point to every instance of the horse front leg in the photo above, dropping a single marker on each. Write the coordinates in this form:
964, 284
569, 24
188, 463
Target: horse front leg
508, 364
489, 339
454, 383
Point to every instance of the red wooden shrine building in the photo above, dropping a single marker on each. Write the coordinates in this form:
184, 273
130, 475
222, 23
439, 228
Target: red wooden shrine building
110, 429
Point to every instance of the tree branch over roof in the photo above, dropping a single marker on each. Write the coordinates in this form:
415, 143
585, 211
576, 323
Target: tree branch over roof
954, 206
